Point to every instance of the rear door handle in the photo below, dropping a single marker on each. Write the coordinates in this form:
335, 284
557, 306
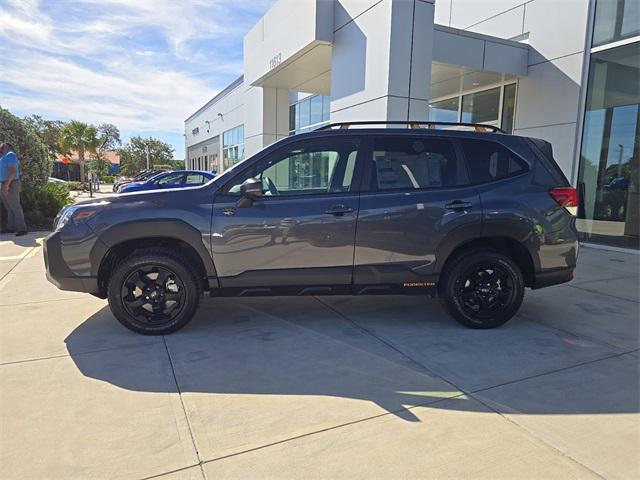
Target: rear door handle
338, 210
458, 205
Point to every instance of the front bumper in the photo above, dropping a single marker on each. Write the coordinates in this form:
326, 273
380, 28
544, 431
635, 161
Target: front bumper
59, 273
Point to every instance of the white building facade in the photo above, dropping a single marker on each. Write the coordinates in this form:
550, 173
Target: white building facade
566, 71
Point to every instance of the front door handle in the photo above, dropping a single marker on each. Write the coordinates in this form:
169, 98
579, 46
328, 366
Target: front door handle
338, 210
458, 205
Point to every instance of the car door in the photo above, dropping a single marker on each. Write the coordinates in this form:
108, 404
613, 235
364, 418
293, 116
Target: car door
299, 236
416, 200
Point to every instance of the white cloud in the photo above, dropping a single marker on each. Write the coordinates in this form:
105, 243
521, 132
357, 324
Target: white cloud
144, 65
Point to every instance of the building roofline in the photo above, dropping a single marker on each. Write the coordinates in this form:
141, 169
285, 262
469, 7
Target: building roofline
480, 36
232, 86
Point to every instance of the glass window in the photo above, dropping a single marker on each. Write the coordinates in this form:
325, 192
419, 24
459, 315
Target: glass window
609, 178
233, 146
316, 110
616, 20
444, 111
292, 118
172, 179
407, 163
305, 169
326, 105
305, 112
489, 161
481, 107
195, 179
508, 107
308, 114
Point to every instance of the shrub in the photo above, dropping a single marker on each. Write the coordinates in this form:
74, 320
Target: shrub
41, 205
107, 179
82, 186
35, 164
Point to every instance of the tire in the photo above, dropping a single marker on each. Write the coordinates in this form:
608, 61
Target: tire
154, 292
482, 288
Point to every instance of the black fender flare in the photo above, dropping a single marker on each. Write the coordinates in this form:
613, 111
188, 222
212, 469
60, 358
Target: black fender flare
152, 228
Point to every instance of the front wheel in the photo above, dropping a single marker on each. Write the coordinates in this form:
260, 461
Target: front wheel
154, 292
482, 288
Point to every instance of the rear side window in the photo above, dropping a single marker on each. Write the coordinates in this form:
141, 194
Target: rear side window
410, 163
490, 161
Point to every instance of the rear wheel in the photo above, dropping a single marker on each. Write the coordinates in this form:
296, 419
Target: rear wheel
154, 292
482, 288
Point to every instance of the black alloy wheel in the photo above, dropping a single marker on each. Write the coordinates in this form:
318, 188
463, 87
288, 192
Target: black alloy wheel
482, 288
154, 292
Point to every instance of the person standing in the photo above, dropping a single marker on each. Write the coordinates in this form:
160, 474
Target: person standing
10, 190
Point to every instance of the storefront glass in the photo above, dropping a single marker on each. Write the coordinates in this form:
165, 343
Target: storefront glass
444, 111
609, 179
616, 20
481, 107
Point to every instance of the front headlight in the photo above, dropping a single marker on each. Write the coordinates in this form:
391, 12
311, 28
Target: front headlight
64, 216
78, 213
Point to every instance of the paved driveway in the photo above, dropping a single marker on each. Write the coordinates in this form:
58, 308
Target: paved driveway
333, 387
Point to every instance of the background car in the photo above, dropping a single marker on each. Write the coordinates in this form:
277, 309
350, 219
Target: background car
175, 179
55, 180
140, 176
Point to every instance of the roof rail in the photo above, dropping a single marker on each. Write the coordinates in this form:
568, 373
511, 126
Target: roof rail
413, 124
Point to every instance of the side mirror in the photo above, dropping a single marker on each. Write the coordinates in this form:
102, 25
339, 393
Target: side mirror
250, 190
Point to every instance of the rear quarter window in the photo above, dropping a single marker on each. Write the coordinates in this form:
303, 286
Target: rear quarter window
489, 161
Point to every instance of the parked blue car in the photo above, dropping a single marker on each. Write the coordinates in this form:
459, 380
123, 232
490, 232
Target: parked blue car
174, 179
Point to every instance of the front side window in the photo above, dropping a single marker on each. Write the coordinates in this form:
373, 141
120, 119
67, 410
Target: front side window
171, 179
195, 179
490, 161
409, 163
319, 167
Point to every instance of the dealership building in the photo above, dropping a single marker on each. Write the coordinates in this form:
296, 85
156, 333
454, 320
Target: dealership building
566, 71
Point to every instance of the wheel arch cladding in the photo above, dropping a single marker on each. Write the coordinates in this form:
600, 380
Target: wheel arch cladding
122, 239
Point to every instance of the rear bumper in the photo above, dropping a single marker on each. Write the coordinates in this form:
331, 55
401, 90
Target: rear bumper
59, 273
553, 277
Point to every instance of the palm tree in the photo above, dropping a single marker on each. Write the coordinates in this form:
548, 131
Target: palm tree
80, 137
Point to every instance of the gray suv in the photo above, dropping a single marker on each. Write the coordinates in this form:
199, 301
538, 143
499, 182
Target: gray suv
473, 216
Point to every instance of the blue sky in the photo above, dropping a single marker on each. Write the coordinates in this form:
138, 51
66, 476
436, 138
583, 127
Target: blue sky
143, 65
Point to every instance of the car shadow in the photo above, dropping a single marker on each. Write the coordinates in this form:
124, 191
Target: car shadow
263, 347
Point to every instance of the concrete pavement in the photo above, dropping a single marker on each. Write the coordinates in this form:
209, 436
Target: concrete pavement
330, 387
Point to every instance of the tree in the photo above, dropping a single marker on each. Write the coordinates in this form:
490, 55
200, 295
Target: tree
133, 155
109, 137
49, 133
82, 138
99, 164
35, 164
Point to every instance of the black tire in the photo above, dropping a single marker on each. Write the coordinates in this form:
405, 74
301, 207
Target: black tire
154, 304
482, 288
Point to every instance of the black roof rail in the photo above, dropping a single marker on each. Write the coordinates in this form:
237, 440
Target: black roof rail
413, 124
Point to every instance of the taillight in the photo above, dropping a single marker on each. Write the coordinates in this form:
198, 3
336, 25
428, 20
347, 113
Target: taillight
566, 197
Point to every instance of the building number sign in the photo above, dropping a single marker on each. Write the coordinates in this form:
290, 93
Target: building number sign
275, 61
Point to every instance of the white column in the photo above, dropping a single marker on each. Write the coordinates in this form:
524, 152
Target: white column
381, 60
266, 117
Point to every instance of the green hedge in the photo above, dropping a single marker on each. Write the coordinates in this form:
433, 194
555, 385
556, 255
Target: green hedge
41, 205
35, 164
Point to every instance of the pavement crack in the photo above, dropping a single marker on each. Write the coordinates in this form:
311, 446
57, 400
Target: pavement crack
184, 408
